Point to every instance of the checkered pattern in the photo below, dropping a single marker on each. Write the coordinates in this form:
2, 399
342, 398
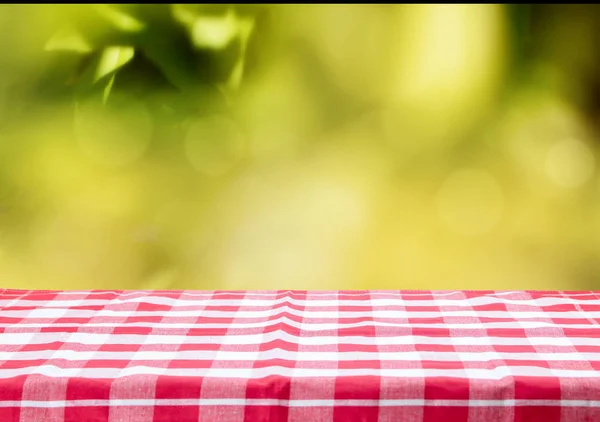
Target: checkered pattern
182, 356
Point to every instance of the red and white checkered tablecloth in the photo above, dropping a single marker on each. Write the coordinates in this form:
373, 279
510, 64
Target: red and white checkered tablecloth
182, 356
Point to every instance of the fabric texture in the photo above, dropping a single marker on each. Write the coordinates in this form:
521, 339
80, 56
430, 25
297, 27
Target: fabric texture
240, 356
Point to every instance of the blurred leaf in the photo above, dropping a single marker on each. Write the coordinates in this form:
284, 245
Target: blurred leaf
142, 78
214, 32
118, 18
184, 13
68, 39
235, 76
108, 88
113, 58
169, 48
85, 79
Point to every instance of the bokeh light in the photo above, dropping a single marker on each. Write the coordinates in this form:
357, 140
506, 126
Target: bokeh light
570, 163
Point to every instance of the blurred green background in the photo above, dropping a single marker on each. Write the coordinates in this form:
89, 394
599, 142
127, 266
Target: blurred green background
300, 146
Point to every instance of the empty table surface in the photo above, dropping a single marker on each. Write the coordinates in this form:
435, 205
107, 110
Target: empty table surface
239, 356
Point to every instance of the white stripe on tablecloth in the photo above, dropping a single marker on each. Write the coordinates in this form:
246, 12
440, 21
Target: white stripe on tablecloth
306, 326
307, 314
297, 403
13, 339
497, 373
301, 356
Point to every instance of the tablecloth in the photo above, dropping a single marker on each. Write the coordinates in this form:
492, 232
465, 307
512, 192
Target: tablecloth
239, 356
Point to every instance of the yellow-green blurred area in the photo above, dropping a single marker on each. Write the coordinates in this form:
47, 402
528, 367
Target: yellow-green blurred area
300, 146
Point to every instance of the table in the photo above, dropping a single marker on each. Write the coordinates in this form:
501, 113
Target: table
154, 356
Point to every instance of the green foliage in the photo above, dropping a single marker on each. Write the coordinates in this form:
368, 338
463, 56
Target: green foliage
180, 59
